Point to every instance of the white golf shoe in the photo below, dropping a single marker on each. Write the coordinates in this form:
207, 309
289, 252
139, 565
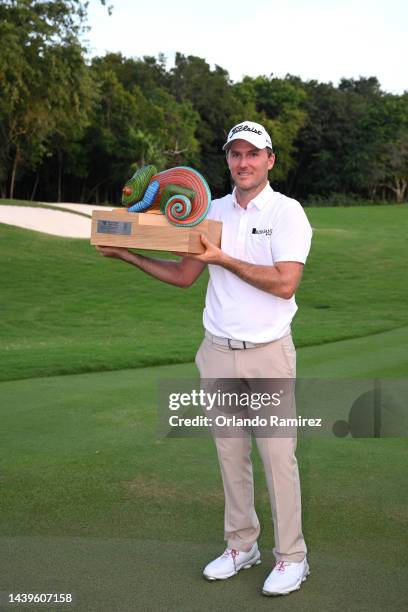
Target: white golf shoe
286, 577
231, 562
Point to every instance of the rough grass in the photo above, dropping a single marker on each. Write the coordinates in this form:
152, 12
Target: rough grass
65, 309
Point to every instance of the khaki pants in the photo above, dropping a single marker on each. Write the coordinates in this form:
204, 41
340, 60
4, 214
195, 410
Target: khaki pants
274, 360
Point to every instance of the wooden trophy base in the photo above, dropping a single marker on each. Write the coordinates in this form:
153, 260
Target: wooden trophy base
150, 231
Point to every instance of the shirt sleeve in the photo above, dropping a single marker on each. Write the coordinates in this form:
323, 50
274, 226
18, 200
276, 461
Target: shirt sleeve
213, 213
292, 234
210, 214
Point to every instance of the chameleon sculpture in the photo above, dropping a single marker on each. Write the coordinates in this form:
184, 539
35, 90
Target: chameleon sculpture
181, 194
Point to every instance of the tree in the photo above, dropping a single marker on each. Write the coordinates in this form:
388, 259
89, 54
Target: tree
43, 82
214, 99
130, 129
74, 94
67, 126
148, 73
394, 152
278, 105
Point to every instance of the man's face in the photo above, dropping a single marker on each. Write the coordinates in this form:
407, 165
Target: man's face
248, 165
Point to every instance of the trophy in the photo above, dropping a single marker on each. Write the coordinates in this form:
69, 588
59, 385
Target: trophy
163, 211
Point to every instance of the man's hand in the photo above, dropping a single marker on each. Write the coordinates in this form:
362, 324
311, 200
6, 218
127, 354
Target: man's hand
107, 251
211, 255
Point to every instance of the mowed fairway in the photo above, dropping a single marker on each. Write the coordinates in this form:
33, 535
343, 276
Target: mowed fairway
94, 502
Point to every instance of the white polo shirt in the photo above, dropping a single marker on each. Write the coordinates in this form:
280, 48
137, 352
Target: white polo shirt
272, 228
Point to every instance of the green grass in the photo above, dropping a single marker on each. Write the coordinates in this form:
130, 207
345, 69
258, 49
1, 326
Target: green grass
95, 503
380, 355
65, 309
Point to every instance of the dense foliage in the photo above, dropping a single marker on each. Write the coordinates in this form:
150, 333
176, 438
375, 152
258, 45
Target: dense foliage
73, 129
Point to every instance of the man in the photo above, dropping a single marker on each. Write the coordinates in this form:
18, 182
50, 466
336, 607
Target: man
249, 308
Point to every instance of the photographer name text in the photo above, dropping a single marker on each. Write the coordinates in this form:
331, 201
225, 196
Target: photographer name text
234, 421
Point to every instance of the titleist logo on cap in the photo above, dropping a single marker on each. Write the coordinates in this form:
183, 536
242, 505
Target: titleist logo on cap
247, 128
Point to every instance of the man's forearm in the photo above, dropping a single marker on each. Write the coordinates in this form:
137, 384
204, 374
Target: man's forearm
266, 278
280, 279
165, 270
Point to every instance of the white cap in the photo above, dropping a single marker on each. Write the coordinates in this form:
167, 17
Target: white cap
254, 133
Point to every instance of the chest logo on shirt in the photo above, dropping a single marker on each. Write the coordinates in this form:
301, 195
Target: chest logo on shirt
267, 232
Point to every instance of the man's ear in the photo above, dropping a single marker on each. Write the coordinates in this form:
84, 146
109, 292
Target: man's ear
271, 160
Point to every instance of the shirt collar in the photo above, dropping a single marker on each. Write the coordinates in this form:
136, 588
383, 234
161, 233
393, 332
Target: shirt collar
259, 201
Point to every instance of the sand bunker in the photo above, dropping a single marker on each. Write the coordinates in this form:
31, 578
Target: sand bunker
54, 222
82, 208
